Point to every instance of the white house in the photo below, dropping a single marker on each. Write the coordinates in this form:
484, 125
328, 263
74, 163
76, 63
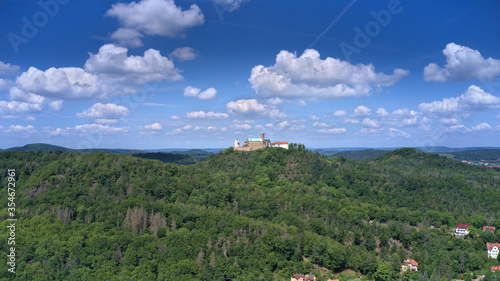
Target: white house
462, 229
492, 249
282, 144
410, 265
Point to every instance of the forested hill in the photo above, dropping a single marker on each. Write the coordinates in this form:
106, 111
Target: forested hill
261, 215
359, 154
477, 155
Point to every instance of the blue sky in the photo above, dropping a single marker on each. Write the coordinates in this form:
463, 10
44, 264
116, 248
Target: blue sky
199, 74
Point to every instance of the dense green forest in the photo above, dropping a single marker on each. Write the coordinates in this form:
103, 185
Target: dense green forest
261, 215
358, 154
171, 157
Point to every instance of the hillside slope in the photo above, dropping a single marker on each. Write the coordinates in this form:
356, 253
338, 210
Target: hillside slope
237, 215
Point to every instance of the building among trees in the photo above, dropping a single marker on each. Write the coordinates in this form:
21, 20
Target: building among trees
410, 265
492, 249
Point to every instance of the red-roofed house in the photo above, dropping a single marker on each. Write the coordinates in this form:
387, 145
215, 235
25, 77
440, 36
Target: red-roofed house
300, 277
462, 229
333, 280
495, 268
282, 144
409, 264
489, 228
492, 249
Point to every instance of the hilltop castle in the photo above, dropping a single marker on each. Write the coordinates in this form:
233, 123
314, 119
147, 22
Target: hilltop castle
258, 143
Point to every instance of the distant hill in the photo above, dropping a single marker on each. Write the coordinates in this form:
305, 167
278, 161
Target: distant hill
109, 150
194, 153
477, 155
49, 147
43, 147
359, 155
432, 149
444, 149
184, 150
186, 157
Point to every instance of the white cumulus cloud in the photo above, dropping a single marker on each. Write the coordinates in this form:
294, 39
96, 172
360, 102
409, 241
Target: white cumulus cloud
68, 83
156, 17
400, 117
56, 105
350, 121
113, 61
332, 131
310, 77
361, 111
5, 84
481, 127
457, 128
370, 123
371, 131
208, 94
108, 73
397, 133
320, 124
474, 99
252, 108
340, 113
99, 128
16, 107
19, 129
154, 127
106, 121
462, 63
241, 126
127, 37
184, 53
206, 115
449, 121
105, 111
7, 67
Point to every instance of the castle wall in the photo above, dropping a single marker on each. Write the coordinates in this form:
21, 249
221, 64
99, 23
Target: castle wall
255, 144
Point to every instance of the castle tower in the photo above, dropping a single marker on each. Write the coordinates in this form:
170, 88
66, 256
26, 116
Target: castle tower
236, 143
263, 137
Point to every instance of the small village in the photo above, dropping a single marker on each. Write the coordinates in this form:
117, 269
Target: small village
411, 265
490, 164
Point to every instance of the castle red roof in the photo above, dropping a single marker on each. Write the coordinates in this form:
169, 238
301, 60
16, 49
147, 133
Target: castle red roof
410, 261
281, 142
462, 225
491, 245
